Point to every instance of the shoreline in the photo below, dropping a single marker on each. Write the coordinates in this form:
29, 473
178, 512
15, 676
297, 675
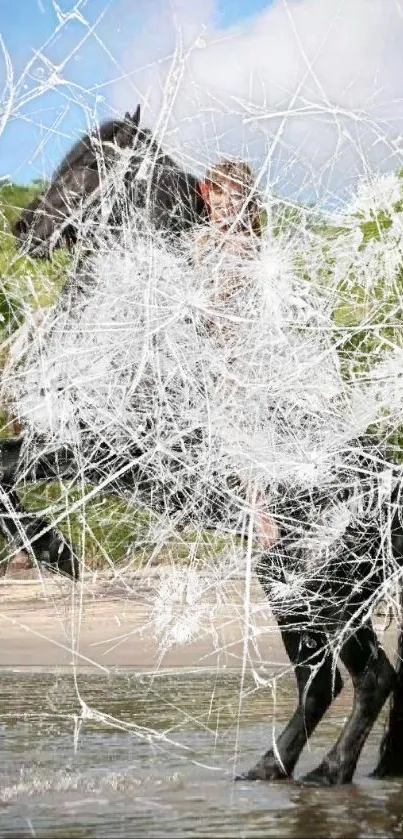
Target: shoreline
104, 624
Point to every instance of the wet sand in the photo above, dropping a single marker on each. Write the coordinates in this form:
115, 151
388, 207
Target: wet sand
102, 623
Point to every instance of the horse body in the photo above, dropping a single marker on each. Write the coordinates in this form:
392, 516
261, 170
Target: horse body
338, 595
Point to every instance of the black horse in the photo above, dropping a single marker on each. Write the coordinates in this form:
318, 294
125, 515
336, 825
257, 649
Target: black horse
341, 591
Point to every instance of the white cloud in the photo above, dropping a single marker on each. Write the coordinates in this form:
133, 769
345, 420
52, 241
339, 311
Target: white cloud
312, 91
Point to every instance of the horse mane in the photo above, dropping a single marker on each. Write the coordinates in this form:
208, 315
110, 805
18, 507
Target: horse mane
107, 132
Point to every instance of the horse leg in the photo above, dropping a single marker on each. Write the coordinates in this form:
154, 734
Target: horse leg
319, 682
47, 544
390, 761
373, 678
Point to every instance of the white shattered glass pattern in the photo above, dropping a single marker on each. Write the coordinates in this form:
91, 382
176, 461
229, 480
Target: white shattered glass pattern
312, 359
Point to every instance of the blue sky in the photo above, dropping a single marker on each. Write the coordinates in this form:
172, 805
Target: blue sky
311, 91
40, 128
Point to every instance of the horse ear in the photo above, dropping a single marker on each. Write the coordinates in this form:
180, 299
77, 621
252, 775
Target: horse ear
127, 116
136, 117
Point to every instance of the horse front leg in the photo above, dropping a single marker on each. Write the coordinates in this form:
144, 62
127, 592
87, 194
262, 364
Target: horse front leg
373, 678
390, 763
319, 682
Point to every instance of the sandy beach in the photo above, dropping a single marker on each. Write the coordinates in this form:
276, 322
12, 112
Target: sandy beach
105, 623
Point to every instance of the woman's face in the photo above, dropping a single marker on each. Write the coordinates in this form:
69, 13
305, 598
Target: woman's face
226, 201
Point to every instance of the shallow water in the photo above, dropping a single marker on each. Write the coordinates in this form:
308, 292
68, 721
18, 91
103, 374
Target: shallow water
161, 761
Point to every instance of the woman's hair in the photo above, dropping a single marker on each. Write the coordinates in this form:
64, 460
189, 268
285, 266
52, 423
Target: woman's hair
240, 173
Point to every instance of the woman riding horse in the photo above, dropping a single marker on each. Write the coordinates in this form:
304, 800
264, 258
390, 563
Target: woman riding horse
344, 585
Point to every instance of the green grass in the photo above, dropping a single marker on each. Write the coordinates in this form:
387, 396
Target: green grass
110, 533
26, 281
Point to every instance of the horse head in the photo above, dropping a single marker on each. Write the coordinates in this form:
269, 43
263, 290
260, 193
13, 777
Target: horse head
52, 220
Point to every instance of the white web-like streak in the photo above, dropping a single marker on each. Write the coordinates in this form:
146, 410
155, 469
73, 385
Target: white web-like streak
276, 404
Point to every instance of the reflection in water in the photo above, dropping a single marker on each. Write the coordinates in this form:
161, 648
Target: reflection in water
161, 760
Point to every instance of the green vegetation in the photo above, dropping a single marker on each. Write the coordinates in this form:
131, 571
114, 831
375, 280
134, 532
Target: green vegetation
23, 280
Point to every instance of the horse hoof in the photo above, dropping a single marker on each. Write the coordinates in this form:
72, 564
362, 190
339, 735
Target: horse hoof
62, 559
320, 777
383, 771
265, 770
